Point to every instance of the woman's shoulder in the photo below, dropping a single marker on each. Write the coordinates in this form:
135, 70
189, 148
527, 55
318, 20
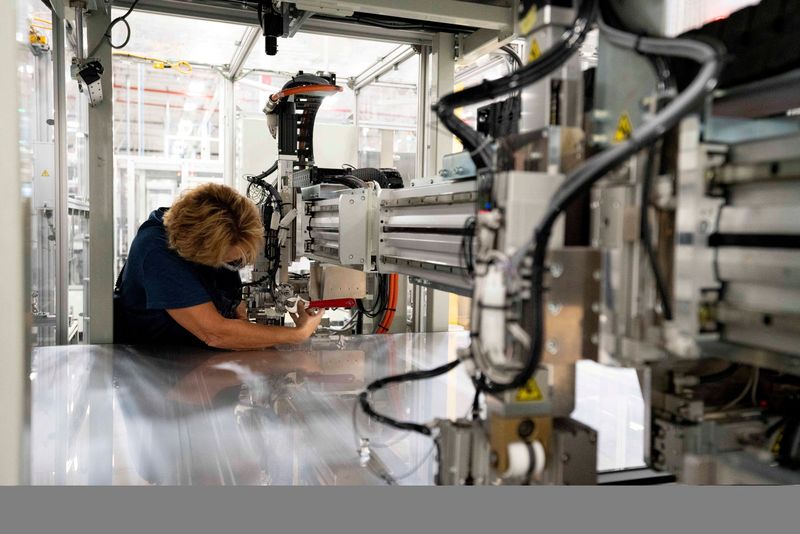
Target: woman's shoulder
149, 238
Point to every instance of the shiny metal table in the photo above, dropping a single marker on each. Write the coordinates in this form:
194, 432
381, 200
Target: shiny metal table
126, 415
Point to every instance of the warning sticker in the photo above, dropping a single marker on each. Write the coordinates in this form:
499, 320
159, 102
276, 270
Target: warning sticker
527, 17
530, 392
624, 128
45, 173
535, 51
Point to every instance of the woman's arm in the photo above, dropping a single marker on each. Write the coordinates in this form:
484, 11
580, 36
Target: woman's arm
210, 327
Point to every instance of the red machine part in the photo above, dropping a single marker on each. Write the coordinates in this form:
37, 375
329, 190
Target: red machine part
332, 303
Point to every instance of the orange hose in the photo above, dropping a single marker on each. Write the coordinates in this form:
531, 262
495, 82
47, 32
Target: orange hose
385, 324
391, 307
305, 89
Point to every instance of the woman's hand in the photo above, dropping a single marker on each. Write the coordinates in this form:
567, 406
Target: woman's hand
241, 311
306, 320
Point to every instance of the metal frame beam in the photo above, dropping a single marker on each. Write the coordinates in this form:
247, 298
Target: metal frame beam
101, 194
439, 141
482, 42
228, 134
14, 288
242, 52
477, 71
233, 13
385, 64
431, 307
236, 14
296, 24
457, 12
423, 108
61, 185
360, 31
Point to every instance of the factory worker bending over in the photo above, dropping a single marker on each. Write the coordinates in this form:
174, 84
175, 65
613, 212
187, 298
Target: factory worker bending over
181, 284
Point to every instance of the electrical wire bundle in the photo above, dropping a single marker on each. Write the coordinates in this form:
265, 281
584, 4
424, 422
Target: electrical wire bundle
269, 201
385, 303
381, 300
553, 58
577, 182
391, 305
593, 169
466, 251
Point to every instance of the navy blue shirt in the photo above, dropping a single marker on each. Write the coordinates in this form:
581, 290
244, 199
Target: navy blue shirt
155, 279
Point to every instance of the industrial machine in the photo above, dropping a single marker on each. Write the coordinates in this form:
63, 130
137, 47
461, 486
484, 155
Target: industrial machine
615, 215
642, 212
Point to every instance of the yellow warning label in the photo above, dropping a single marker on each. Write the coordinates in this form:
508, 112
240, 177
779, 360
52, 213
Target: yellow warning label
45, 173
624, 128
535, 51
527, 21
529, 393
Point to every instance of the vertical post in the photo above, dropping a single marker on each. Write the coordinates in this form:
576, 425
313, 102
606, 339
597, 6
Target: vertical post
442, 79
432, 306
228, 133
13, 392
62, 187
79, 50
101, 193
140, 108
423, 109
356, 93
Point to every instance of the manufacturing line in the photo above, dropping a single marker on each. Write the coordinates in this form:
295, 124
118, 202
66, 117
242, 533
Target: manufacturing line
638, 212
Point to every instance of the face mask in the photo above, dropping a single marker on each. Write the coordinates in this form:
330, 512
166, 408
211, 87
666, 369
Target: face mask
234, 266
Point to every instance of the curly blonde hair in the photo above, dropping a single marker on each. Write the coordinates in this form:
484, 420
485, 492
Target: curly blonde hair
206, 222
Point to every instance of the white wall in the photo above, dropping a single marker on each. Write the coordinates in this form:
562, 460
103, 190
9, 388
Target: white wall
334, 145
12, 281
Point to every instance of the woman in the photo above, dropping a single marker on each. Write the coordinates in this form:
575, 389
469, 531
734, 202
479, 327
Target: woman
181, 282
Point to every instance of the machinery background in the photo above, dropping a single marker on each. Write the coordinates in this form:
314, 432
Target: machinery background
640, 212
680, 261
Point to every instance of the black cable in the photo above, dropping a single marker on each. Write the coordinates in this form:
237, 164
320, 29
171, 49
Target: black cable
516, 60
259, 180
647, 238
107, 33
553, 58
349, 181
359, 322
384, 308
380, 301
513, 55
269, 205
719, 375
578, 181
476, 400
363, 397
363, 18
259, 177
466, 248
